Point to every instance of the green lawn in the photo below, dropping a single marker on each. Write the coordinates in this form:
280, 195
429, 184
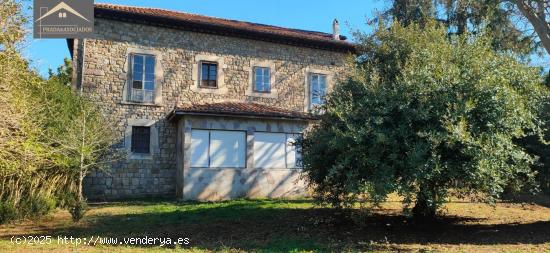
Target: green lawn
290, 226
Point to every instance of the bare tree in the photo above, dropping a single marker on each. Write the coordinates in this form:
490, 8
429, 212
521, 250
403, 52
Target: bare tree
86, 144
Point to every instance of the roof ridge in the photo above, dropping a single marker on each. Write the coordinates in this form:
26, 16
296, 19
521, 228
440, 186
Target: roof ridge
220, 18
159, 9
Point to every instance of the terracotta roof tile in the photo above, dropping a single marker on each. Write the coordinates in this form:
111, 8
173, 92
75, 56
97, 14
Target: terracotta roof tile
200, 23
242, 109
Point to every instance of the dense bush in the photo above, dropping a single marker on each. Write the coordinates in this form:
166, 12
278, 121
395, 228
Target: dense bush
8, 212
538, 147
427, 117
78, 209
36, 206
27, 208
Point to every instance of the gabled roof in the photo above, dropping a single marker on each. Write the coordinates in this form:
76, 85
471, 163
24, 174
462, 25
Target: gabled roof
241, 109
220, 26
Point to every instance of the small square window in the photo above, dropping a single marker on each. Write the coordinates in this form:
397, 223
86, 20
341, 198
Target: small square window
209, 75
262, 77
141, 139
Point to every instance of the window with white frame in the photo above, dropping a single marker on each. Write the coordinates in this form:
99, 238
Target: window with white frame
262, 77
143, 79
276, 151
317, 89
218, 149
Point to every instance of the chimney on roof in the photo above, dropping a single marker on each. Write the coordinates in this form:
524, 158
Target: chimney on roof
335, 29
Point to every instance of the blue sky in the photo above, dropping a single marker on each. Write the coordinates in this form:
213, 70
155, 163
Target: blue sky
301, 14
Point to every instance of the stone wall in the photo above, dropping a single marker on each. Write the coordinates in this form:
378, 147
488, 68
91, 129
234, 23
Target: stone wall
105, 79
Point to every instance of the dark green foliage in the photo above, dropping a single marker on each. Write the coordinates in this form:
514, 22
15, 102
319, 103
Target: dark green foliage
63, 74
78, 209
540, 148
411, 12
427, 118
459, 16
30, 207
8, 212
536, 147
36, 206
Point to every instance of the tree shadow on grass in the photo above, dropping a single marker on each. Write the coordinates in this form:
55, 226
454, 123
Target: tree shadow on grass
541, 199
257, 226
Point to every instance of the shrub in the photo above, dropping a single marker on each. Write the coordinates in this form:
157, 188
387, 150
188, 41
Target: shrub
427, 117
78, 210
36, 206
8, 212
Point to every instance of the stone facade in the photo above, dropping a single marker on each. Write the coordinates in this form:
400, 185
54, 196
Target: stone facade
103, 73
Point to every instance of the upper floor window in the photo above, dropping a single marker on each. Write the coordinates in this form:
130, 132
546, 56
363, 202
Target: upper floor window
262, 78
318, 89
141, 137
209, 74
143, 78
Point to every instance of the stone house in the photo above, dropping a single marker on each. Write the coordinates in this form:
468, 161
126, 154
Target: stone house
206, 108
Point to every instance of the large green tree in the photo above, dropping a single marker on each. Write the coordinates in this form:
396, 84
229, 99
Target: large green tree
426, 117
537, 13
504, 20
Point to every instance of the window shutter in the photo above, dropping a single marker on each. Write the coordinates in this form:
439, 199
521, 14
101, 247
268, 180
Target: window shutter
270, 150
130, 76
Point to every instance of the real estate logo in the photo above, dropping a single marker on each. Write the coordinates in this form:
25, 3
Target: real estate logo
63, 18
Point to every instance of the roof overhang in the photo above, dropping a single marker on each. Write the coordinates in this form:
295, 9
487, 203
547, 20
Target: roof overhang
241, 110
175, 114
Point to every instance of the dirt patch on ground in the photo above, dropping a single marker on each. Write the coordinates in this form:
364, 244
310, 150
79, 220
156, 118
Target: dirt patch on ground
269, 225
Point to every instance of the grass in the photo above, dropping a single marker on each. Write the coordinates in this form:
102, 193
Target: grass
291, 226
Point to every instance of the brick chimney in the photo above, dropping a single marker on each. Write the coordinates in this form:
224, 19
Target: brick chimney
335, 29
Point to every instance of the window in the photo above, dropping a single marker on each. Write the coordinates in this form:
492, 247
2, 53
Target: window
276, 150
143, 78
141, 137
262, 79
200, 142
218, 149
269, 150
227, 149
209, 75
293, 151
318, 89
